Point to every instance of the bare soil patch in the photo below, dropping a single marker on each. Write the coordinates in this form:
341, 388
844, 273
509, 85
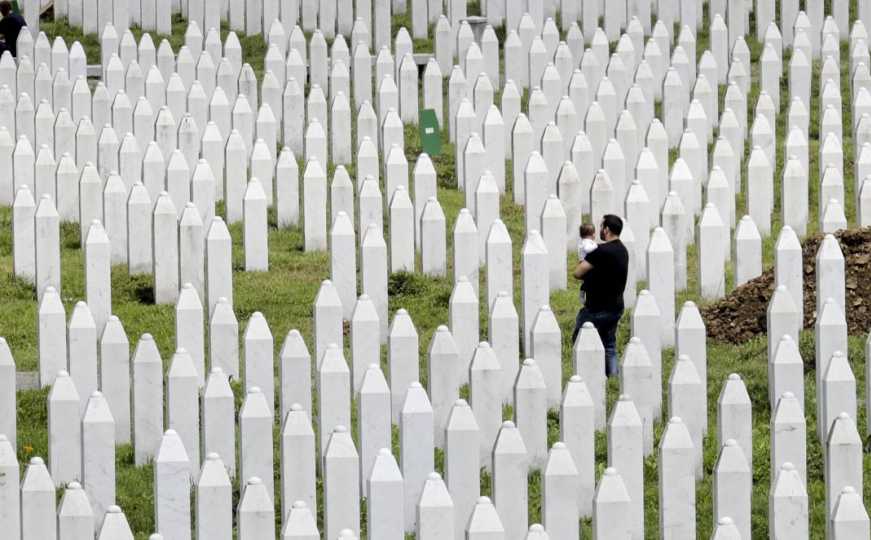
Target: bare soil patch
740, 316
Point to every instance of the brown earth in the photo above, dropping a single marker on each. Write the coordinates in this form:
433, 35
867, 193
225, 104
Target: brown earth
740, 316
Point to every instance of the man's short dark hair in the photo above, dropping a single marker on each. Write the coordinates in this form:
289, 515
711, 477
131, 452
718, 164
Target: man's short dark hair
613, 223
5, 7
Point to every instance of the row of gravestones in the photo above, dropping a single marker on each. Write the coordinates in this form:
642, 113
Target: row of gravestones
67, 135
252, 18
192, 253
631, 160
121, 111
130, 217
538, 120
417, 416
529, 313
830, 31
458, 265
337, 16
464, 307
182, 189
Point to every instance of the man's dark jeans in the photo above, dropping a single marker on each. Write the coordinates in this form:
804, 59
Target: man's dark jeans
606, 322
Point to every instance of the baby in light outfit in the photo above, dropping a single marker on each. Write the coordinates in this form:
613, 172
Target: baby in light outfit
586, 245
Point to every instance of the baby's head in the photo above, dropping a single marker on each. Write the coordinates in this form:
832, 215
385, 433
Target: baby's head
587, 230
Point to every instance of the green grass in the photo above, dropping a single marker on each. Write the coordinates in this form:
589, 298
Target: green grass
285, 295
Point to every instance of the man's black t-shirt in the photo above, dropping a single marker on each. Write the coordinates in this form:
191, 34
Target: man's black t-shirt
605, 282
10, 27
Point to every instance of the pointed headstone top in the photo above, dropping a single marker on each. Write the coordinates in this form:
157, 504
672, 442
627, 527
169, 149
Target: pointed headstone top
182, 365
340, 444
732, 458
781, 301
509, 441
385, 468
258, 328
416, 400
676, 435
843, 432
611, 487
171, 449
255, 404
645, 305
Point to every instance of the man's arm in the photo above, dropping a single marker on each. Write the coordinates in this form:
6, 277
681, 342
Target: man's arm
581, 269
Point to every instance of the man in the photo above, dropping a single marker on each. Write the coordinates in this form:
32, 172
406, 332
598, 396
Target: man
10, 27
603, 272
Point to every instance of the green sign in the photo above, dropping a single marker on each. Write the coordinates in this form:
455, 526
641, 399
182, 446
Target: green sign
430, 135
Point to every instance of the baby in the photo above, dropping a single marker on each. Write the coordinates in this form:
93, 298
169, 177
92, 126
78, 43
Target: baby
586, 245
588, 240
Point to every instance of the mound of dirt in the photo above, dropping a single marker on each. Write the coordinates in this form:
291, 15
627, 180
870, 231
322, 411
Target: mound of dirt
740, 316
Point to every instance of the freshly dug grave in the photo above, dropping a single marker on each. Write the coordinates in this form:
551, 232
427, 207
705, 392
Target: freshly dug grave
740, 316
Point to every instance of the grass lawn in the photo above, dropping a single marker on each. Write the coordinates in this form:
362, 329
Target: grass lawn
285, 296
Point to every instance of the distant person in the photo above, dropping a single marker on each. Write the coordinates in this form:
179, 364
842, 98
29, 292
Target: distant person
603, 272
10, 26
